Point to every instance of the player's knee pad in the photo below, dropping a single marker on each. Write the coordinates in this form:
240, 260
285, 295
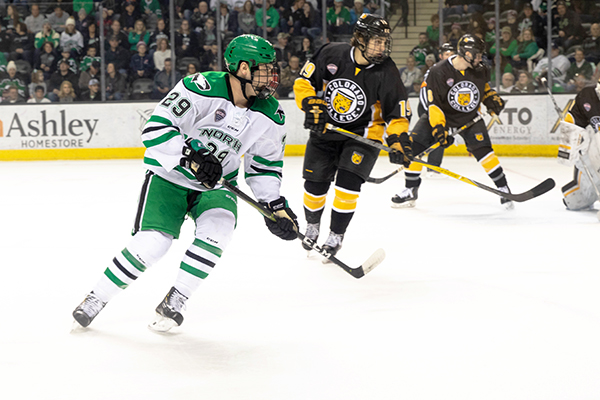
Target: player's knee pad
316, 188
149, 246
580, 193
215, 227
348, 180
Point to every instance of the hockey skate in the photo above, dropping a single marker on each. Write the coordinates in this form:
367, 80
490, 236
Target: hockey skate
508, 204
312, 233
406, 198
332, 245
85, 313
168, 312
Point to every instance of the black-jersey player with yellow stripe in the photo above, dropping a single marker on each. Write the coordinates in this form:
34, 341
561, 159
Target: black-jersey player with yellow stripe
455, 90
361, 92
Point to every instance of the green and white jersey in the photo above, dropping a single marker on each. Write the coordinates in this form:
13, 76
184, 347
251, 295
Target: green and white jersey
201, 106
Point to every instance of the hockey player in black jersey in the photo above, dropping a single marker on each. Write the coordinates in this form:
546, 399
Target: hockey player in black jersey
362, 93
455, 90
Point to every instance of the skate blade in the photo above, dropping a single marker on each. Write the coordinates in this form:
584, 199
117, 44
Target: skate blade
77, 328
406, 204
161, 324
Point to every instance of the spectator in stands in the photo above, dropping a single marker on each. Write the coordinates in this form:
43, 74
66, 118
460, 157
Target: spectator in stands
11, 19
161, 53
63, 74
58, 19
524, 50
4, 40
116, 84
507, 49
288, 76
208, 36
579, 83
161, 32
411, 76
151, 10
12, 95
201, 14
524, 84
73, 64
433, 31
247, 19
591, 44
360, 9
21, 45
93, 91
89, 58
532, 20
85, 5
568, 25
12, 78
91, 38
507, 83
129, 17
35, 22
66, 94
117, 55
163, 79
228, 24
209, 58
186, 42
106, 21
511, 22
83, 21
37, 79
580, 67
39, 96
310, 24
93, 72
191, 69
307, 50
272, 19
587, 10
283, 49
560, 66
420, 51
47, 60
290, 18
47, 34
71, 39
141, 65
122, 38
455, 34
138, 34
476, 23
490, 36
338, 19
429, 62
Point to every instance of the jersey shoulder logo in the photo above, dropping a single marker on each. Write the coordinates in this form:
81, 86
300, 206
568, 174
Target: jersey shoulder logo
201, 82
595, 122
346, 101
280, 113
464, 96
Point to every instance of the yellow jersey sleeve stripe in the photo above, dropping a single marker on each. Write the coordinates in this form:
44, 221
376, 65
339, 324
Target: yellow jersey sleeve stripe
302, 90
569, 118
436, 116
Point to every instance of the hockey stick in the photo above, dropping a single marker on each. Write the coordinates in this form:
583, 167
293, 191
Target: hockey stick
373, 261
536, 191
559, 112
425, 152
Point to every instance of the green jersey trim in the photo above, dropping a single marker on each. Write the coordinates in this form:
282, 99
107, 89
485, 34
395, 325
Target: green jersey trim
161, 139
268, 163
274, 174
160, 120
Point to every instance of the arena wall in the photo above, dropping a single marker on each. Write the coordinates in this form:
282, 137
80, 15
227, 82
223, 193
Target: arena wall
526, 127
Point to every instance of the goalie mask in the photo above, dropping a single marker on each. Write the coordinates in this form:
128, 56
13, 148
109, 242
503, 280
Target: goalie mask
372, 36
259, 54
471, 44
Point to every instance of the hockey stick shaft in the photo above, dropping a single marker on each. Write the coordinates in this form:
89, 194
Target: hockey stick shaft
359, 272
426, 151
540, 189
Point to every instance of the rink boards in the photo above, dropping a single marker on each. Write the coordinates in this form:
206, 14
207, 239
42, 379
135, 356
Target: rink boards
527, 127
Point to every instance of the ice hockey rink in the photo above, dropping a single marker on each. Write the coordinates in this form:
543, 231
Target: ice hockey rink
472, 301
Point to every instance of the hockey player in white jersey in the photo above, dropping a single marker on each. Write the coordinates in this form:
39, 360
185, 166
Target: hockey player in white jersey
196, 136
560, 66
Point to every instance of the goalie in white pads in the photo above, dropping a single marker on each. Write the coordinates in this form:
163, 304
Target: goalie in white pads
196, 136
580, 146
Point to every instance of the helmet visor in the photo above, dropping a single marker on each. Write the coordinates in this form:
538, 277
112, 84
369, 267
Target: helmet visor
265, 79
377, 49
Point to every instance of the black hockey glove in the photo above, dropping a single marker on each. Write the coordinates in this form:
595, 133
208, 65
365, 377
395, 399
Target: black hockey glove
401, 149
315, 114
286, 226
493, 102
441, 135
203, 164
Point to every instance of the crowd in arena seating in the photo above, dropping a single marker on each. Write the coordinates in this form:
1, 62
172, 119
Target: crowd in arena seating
574, 50
50, 52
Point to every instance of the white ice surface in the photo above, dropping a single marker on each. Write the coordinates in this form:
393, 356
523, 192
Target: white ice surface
472, 301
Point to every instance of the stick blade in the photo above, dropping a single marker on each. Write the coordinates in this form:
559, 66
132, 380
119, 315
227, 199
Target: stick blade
539, 190
373, 261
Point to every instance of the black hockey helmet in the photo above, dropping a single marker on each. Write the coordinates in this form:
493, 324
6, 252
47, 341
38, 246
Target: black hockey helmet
447, 47
472, 44
367, 27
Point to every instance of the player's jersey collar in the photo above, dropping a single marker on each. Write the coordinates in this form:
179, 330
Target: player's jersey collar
354, 61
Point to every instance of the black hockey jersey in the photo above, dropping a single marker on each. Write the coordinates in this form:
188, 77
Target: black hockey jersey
586, 109
368, 100
455, 96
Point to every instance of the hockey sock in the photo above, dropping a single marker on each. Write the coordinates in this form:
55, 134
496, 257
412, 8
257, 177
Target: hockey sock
412, 175
490, 163
347, 190
198, 262
315, 194
145, 249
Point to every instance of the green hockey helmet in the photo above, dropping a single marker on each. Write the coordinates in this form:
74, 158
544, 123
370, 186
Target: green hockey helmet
250, 48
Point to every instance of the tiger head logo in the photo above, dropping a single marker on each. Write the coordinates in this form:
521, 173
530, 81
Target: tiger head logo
341, 103
464, 98
357, 158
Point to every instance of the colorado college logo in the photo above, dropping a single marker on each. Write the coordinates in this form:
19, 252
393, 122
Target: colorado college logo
464, 96
346, 101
